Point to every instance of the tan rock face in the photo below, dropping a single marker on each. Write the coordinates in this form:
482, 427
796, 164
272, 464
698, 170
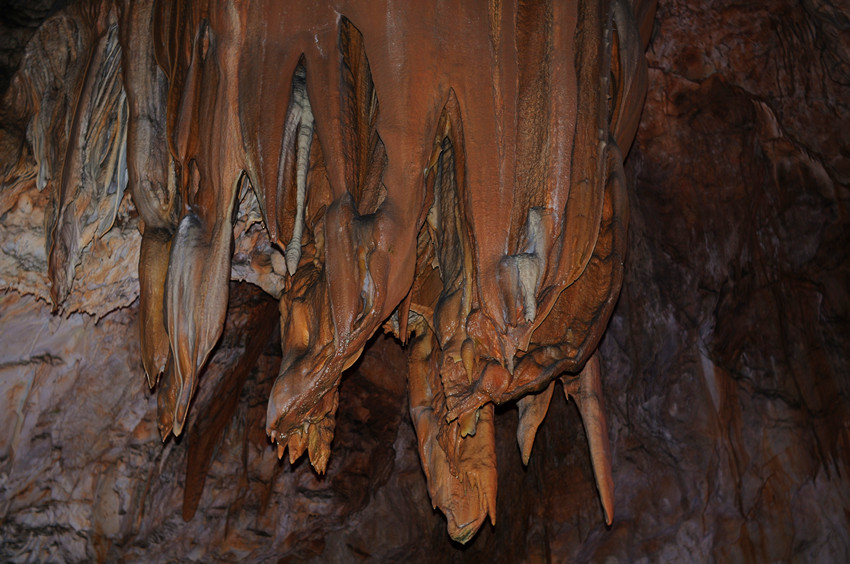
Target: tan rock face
723, 363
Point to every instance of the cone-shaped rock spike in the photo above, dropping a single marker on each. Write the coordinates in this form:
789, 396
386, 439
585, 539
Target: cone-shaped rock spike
587, 393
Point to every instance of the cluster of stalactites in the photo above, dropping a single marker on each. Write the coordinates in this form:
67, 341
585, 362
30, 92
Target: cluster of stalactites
495, 249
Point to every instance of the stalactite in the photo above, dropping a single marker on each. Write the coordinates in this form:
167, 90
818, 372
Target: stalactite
461, 187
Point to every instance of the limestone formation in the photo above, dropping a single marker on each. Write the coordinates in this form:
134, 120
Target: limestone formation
451, 174
477, 210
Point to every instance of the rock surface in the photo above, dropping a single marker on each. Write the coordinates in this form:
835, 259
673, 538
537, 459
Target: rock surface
728, 350
725, 363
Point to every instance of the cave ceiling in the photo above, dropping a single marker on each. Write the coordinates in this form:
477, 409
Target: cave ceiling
340, 226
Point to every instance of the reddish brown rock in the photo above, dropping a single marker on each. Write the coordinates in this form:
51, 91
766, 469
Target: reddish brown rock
725, 361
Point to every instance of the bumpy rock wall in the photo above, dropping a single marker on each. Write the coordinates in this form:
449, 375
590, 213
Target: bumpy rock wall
726, 361
729, 349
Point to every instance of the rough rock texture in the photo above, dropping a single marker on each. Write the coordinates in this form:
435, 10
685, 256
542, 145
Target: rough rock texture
725, 362
729, 348
18, 21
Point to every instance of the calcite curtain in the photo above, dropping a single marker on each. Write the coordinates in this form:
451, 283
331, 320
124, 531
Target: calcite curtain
724, 363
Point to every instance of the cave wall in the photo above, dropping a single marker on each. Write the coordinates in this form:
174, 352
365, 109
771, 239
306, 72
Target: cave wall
729, 348
725, 362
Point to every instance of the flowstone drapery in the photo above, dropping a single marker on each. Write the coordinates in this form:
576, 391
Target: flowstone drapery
450, 172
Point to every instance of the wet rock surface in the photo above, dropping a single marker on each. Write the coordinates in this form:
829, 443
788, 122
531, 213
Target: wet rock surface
725, 363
